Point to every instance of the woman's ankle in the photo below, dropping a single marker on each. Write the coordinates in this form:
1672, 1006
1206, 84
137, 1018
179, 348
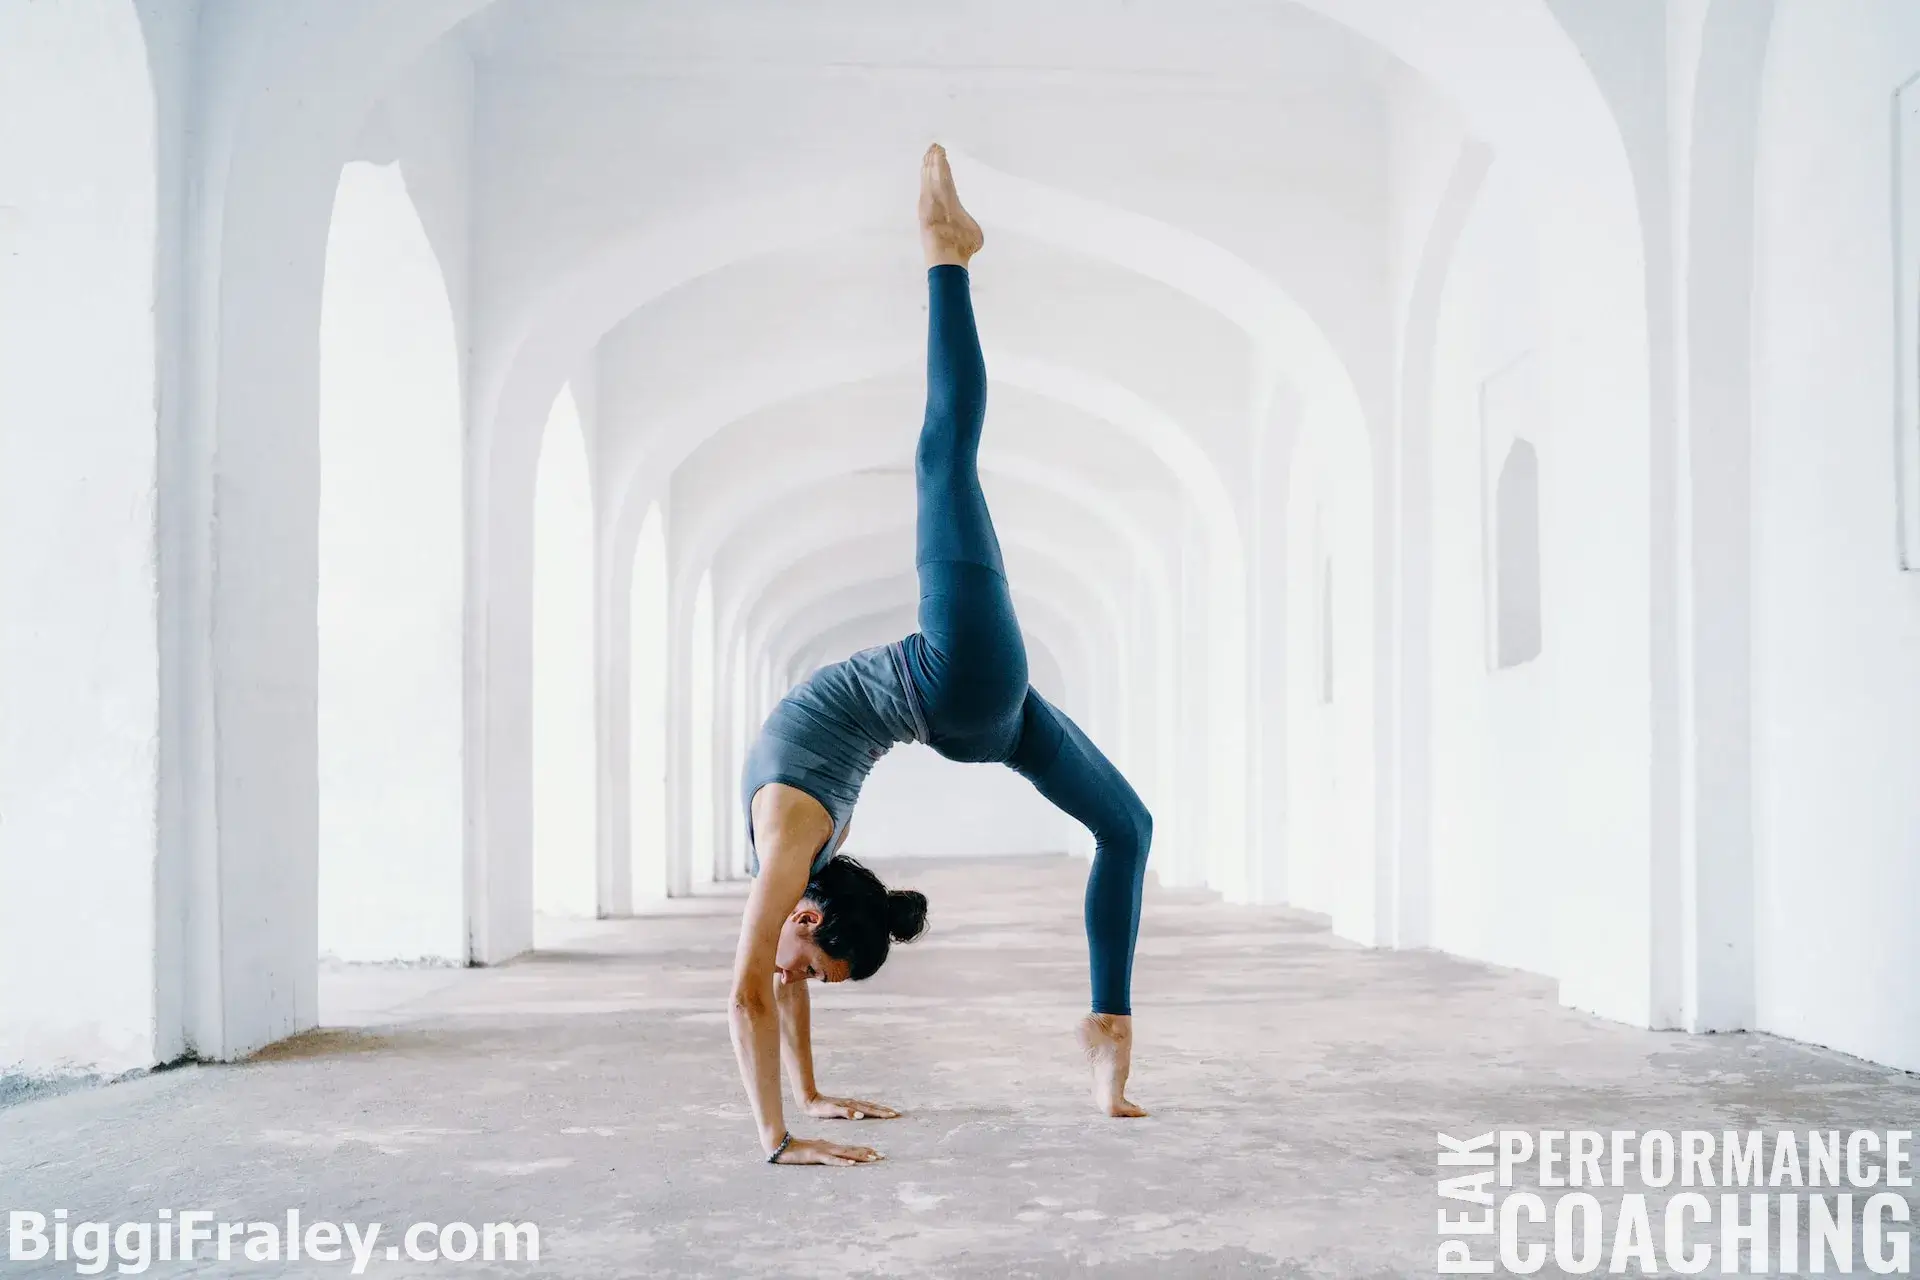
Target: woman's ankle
1104, 1032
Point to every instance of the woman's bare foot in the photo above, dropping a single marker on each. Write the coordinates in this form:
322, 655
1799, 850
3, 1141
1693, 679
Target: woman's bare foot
948, 232
1107, 1040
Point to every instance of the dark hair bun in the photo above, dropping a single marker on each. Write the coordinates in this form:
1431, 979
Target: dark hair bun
906, 914
859, 916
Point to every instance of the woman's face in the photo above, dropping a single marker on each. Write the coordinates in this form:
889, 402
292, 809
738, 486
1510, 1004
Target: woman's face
798, 958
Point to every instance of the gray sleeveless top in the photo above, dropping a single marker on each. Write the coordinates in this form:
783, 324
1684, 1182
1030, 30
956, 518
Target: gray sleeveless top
826, 735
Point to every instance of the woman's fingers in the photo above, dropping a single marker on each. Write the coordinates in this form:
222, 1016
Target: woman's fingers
851, 1109
814, 1151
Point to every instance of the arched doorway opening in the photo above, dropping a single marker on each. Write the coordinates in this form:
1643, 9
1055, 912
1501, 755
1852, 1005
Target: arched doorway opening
648, 682
565, 868
700, 793
390, 597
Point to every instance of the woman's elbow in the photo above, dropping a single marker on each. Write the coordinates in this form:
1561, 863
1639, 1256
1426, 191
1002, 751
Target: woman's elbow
749, 1003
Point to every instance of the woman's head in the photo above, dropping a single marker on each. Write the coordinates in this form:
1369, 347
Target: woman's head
846, 923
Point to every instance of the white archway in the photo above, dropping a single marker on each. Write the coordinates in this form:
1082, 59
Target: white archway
647, 679
1497, 791
391, 546
565, 866
592, 296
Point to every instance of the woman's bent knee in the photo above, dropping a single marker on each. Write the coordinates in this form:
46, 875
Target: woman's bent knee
1139, 829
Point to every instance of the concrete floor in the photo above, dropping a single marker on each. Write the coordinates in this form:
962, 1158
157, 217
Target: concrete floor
1296, 1085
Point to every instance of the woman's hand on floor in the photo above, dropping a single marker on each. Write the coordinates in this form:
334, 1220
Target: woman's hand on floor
819, 1151
823, 1107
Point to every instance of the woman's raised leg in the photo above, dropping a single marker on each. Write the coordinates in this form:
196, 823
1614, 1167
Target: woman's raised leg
953, 524
968, 662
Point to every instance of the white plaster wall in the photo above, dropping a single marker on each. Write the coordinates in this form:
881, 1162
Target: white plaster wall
1597, 606
1331, 784
171, 33
1837, 625
79, 696
1494, 827
1579, 800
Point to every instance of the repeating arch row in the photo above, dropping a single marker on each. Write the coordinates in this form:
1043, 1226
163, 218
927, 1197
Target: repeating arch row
1647, 398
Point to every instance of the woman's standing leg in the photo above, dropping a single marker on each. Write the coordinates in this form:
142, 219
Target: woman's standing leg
1064, 766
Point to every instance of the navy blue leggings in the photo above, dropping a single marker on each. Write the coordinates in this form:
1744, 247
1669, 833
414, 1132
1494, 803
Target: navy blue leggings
969, 663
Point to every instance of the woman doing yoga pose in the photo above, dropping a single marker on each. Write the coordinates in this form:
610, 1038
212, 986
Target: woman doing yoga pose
959, 685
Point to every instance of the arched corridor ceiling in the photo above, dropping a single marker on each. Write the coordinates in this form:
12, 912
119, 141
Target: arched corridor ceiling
1051, 653
870, 427
879, 611
685, 260
1037, 573
782, 322
788, 114
766, 552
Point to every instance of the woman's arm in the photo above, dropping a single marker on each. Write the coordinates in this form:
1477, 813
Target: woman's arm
789, 826
796, 1039
751, 1013
796, 1050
